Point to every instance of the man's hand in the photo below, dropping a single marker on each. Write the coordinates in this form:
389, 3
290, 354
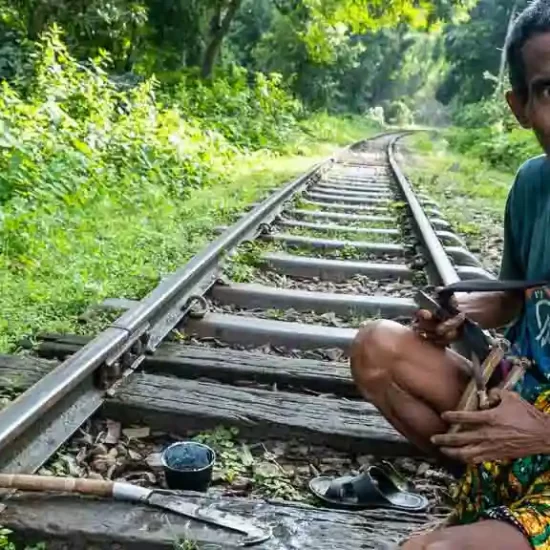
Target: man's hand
513, 429
436, 330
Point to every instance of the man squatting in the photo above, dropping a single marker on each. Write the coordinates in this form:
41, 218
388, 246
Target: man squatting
503, 499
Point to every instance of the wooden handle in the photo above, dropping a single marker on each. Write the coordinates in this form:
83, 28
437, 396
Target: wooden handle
516, 375
93, 487
470, 398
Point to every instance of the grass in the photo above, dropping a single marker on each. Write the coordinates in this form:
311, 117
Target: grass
470, 193
117, 248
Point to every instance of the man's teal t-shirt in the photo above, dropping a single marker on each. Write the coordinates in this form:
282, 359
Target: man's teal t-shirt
526, 257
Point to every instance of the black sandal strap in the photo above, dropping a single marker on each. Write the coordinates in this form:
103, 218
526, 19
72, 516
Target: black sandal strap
360, 488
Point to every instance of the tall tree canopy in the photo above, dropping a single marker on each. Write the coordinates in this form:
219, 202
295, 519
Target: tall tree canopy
192, 32
474, 51
336, 54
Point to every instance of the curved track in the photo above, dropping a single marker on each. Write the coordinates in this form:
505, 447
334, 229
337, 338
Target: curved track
257, 342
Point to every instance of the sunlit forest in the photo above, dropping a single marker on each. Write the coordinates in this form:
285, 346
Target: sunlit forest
130, 128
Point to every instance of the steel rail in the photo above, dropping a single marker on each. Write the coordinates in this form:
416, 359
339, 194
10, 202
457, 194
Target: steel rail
41, 398
30, 406
445, 269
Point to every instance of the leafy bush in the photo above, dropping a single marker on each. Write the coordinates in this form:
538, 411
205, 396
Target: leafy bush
249, 110
75, 138
489, 131
342, 130
507, 150
104, 188
398, 112
483, 114
6, 544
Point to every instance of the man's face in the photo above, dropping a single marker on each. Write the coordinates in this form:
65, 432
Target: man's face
534, 112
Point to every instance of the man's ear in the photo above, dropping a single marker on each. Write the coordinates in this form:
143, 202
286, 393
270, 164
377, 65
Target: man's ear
519, 108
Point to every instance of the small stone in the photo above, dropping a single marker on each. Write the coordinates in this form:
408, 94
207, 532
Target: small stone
437, 475
81, 456
122, 450
335, 462
314, 471
278, 449
327, 469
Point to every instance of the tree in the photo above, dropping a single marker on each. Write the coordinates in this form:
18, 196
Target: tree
220, 23
474, 51
157, 35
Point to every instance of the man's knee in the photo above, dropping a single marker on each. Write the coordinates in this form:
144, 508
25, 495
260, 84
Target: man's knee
376, 350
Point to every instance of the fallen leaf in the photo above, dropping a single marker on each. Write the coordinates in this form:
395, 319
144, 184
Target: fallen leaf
267, 469
113, 432
154, 460
134, 455
137, 433
246, 456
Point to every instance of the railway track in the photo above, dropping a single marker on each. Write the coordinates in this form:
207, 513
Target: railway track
247, 346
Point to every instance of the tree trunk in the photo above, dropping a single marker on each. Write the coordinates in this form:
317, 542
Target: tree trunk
219, 30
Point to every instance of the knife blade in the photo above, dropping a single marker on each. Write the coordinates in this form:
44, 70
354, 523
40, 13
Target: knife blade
206, 514
127, 492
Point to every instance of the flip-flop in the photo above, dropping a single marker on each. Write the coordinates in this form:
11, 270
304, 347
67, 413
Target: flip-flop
376, 487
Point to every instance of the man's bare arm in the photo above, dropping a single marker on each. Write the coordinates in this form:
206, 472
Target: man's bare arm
491, 309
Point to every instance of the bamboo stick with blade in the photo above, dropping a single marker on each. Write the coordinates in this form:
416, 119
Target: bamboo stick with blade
132, 493
475, 396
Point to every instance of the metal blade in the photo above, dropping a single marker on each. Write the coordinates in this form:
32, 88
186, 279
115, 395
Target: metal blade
239, 524
476, 340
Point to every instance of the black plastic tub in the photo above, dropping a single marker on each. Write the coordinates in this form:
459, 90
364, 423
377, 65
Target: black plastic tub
188, 466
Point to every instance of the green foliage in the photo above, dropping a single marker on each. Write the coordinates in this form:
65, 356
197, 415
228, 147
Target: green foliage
329, 49
330, 20
253, 114
398, 113
487, 130
104, 190
505, 150
6, 544
474, 51
342, 130
235, 460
